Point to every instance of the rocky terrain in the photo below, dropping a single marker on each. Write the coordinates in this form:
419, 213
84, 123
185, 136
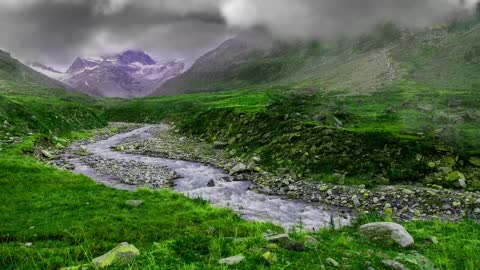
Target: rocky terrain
399, 202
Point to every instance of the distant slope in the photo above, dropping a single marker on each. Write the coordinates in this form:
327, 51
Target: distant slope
13, 71
214, 67
444, 56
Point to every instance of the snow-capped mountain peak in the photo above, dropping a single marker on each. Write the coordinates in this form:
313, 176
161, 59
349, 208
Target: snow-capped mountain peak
128, 74
132, 56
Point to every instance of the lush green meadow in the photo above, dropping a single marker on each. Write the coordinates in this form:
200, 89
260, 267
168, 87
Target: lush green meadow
69, 220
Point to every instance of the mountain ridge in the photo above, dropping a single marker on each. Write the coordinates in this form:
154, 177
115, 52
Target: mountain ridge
131, 73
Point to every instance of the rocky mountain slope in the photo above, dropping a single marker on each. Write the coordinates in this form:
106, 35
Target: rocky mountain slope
359, 65
129, 74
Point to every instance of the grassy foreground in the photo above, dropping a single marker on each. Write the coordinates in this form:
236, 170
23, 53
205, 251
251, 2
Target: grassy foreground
69, 220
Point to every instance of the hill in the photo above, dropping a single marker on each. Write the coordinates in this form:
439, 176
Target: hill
13, 71
444, 56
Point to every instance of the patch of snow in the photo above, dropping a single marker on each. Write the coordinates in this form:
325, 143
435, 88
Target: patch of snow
51, 74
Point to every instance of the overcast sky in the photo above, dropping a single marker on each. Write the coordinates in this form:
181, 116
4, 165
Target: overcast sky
54, 32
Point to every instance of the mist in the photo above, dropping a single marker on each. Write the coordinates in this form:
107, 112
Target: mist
57, 31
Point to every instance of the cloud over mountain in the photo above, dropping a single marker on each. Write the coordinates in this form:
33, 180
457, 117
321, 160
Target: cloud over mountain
56, 31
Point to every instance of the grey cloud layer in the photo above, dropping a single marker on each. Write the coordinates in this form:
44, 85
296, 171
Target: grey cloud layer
55, 31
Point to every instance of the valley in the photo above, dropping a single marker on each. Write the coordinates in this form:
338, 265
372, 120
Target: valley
210, 166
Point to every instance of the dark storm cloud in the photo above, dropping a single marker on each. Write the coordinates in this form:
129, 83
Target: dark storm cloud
56, 31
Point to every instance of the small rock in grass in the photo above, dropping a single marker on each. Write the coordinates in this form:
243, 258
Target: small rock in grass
272, 246
386, 233
232, 260
134, 203
394, 265
29, 244
431, 240
123, 253
270, 257
332, 262
285, 242
310, 241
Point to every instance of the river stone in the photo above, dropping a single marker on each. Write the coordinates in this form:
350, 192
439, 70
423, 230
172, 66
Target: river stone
47, 154
387, 233
240, 167
134, 203
356, 201
123, 253
285, 242
394, 265
211, 183
232, 260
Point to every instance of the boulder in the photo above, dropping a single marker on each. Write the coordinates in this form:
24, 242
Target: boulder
123, 253
240, 167
232, 260
387, 233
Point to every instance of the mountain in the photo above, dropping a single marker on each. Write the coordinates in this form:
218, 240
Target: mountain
441, 56
215, 66
129, 74
13, 71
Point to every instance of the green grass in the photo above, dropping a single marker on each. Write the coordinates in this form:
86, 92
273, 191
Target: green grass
70, 220
284, 108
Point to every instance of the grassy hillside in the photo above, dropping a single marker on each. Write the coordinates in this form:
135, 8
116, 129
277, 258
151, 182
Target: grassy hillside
443, 57
12, 71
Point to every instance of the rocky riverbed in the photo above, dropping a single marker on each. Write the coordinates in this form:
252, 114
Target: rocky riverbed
401, 202
157, 156
110, 162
